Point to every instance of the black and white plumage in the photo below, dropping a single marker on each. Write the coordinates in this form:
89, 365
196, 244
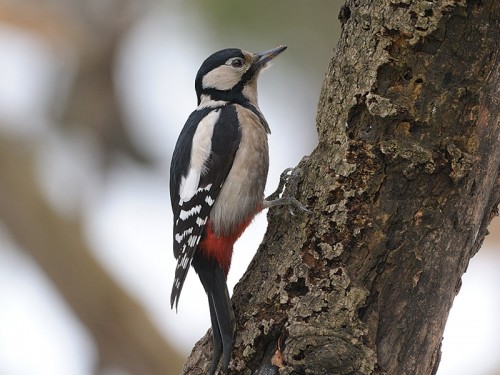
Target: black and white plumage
217, 178
203, 155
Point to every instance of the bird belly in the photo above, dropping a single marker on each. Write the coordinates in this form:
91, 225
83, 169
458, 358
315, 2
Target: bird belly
242, 193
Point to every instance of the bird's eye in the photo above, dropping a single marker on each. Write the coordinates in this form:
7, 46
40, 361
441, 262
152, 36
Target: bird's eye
237, 63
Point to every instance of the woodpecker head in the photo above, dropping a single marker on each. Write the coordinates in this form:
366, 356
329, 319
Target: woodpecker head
231, 75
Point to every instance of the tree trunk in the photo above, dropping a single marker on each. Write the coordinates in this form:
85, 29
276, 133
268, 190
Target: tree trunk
402, 185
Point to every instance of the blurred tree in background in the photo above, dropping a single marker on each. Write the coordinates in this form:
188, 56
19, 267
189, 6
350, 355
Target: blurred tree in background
62, 148
81, 110
88, 34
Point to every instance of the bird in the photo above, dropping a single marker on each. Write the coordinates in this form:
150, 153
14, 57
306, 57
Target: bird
218, 173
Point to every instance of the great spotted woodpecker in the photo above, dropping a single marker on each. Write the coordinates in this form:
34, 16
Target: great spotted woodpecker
217, 178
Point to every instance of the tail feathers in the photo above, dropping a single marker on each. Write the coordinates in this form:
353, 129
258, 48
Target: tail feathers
221, 312
180, 277
183, 265
225, 316
217, 339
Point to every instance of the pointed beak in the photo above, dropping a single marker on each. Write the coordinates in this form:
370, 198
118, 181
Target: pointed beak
264, 57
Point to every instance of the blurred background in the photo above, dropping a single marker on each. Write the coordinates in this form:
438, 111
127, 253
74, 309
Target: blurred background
93, 94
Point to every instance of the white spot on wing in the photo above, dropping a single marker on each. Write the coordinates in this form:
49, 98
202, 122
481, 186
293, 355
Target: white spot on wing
201, 222
183, 215
209, 200
180, 237
193, 241
184, 261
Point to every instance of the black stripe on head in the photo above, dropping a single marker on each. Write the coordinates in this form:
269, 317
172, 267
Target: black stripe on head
249, 75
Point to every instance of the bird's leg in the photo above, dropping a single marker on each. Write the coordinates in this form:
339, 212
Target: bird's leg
285, 175
289, 177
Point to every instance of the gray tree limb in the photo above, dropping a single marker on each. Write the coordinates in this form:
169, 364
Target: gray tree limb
402, 185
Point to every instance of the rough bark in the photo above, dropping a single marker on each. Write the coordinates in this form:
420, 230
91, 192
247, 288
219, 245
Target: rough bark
402, 184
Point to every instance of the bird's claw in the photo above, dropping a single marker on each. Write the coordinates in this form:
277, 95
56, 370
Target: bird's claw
290, 178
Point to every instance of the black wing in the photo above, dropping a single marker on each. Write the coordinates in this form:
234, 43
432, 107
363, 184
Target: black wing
191, 215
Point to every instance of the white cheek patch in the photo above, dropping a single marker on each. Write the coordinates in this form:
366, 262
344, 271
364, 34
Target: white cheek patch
200, 153
222, 78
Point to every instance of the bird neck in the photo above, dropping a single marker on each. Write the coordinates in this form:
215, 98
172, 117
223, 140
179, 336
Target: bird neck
206, 101
250, 93
217, 99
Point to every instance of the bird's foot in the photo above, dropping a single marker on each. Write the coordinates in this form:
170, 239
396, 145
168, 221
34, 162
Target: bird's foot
290, 178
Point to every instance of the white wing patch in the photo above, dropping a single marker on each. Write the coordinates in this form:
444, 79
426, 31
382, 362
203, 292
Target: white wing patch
200, 152
189, 184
